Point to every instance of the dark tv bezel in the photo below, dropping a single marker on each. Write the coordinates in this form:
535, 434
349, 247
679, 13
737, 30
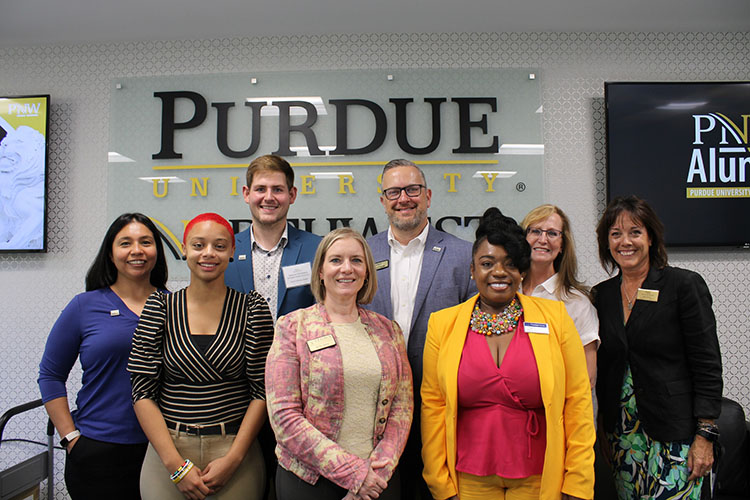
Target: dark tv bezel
45, 243
739, 243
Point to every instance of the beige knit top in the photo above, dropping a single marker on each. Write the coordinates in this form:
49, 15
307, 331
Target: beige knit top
362, 373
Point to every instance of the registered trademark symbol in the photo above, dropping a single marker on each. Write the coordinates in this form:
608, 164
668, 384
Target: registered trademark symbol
520, 187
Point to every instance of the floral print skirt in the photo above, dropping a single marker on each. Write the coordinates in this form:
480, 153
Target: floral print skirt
644, 468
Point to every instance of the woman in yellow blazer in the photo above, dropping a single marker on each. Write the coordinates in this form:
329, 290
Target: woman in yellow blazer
565, 457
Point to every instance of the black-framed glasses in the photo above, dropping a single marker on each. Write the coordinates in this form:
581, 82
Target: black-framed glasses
552, 234
412, 191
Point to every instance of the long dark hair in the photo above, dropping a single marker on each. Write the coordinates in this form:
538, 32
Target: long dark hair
504, 231
103, 272
640, 211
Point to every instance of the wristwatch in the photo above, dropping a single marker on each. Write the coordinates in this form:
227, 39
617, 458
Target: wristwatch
708, 431
65, 441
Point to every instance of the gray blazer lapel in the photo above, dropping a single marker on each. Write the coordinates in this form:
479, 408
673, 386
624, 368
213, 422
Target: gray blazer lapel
382, 252
433, 254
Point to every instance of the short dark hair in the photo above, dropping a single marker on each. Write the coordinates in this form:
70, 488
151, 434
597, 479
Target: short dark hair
400, 162
504, 231
270, 163
640, 211
103, 272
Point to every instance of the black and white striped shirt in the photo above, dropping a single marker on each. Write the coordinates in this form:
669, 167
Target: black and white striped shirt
192, 387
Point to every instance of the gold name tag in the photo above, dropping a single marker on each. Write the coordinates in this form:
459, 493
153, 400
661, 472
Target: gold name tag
321, 343
648, 295
381, 265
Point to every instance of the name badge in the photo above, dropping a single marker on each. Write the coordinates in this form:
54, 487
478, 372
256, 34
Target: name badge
381, 265
648, 295
114, 312
321, 343
242, 257
297, 274
536, 328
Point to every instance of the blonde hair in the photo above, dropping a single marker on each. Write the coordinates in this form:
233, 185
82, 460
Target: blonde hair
565, 264
367, 292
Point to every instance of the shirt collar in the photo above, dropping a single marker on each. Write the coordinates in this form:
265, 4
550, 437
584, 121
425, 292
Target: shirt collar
551, 284
280, 244
421, 238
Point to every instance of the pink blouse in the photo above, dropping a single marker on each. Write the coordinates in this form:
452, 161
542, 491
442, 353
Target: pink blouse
501, 428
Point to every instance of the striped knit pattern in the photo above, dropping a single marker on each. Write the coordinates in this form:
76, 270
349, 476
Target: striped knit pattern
191, 387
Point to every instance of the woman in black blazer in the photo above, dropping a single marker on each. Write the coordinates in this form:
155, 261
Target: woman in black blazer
659, 366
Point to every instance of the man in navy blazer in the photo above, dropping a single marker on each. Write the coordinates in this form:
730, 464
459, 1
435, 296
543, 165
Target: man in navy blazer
272, 257
420, 270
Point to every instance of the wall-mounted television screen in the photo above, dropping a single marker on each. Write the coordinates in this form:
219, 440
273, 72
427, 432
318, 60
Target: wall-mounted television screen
24, 127
684, 148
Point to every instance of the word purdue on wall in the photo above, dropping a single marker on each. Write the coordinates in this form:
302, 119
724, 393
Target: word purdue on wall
472, 116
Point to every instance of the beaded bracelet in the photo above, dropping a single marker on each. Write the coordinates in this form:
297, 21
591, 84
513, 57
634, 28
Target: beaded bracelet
180, 473
183, 473
176, 473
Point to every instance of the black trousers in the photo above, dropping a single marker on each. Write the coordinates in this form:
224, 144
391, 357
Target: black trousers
95, 470
413, 485
290, 487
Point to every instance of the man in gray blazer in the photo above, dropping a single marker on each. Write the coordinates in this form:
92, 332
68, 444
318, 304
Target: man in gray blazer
420, 270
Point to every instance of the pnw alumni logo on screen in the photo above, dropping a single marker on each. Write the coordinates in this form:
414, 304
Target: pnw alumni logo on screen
720, 159
25, 109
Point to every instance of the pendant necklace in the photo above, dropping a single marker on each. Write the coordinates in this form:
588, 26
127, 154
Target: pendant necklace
631, 302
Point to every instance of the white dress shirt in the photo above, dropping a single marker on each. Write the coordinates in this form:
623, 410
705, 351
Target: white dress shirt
406, 268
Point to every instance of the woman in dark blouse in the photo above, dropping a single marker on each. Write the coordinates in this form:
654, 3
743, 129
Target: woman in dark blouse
197, 368
659, 382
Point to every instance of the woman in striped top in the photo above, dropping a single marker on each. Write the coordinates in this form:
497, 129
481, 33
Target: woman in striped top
197, 368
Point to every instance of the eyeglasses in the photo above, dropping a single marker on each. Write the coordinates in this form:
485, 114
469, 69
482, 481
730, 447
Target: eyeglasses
412, 191
552, 234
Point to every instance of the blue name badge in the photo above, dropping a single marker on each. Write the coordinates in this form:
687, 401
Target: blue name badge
536, 328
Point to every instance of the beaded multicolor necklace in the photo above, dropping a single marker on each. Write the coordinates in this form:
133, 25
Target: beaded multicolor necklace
496, 324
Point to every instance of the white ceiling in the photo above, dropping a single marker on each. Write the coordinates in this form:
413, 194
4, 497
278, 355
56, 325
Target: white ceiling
36, 22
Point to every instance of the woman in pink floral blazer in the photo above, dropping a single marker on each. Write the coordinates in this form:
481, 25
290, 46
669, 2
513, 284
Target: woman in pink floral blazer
338, 384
